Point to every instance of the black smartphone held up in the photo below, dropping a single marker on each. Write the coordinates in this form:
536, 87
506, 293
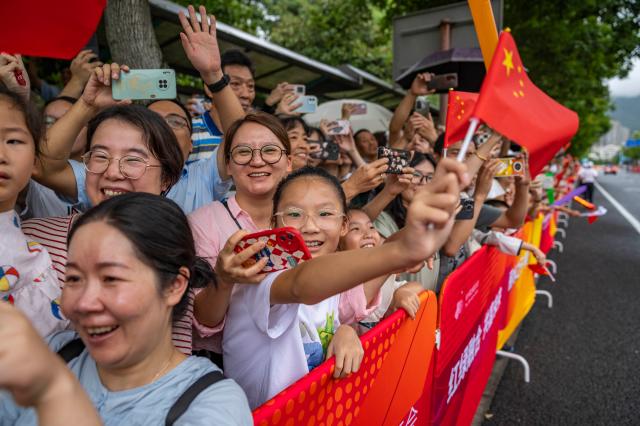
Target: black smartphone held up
329, 150
468, 206
398, 159
443, 82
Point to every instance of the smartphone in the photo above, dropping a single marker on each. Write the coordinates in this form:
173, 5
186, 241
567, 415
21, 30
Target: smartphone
309, 104
298, 89
339, 127
285, 248
510, 166
443, 82
466, 213
482, 135
422, 106
145, 84
329, 150
358, 108
398, 159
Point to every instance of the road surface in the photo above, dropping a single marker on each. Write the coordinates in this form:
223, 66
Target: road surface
584, 353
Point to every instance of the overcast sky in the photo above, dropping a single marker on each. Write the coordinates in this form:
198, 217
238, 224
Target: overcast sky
629, 86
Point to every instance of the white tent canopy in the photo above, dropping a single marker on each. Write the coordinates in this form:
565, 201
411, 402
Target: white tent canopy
376, 119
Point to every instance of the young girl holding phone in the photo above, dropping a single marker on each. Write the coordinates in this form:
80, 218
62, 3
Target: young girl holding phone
280, 329
27, 277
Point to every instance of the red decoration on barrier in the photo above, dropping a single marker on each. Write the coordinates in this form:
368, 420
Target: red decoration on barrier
390, 379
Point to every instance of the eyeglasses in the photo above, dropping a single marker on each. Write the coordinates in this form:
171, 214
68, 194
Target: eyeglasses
176, 122
270, 154
130, 166
297, 218
420, 179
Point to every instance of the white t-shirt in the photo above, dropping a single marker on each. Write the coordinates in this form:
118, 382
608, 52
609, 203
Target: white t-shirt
27, 277
587, 175
268, 347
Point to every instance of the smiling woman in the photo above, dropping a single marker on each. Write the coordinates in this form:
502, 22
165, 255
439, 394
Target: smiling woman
130, 149
121, 293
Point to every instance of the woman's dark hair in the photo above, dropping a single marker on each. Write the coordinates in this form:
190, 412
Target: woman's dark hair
159, 137
184, 109
261, 118
395, 208
159, 232
310, 173
32, 116
290, 122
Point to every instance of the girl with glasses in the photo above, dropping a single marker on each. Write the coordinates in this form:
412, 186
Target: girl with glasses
279, 330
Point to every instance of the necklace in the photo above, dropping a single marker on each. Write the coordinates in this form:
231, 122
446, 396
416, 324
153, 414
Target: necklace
162, 369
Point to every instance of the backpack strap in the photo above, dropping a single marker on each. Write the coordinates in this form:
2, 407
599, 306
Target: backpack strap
226, 206
71, 350
182, 403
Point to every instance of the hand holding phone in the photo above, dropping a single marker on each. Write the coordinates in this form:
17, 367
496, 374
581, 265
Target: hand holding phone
284, 248
339, 127
511, 166
309, 105
145, 84
398, 159
329, 151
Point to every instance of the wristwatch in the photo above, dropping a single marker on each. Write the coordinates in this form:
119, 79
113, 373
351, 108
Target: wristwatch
219, 85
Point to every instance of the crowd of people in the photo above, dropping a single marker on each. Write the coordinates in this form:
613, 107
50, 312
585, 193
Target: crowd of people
119, 223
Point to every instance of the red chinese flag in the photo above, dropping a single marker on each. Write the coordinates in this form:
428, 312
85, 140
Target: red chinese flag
459, 112
513, 106
51, 29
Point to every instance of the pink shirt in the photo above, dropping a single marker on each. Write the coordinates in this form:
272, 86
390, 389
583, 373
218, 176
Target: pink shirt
212, 225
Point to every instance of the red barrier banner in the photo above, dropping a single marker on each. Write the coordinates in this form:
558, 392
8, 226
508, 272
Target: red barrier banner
521, 289
472, 306
397, 363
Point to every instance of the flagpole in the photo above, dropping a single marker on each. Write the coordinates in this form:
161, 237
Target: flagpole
473, 125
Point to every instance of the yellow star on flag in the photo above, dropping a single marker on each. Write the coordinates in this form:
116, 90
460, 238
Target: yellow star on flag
508, 61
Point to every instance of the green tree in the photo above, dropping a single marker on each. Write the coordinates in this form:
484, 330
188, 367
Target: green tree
569, 48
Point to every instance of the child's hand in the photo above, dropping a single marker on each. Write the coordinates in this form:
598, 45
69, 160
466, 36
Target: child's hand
406, 299
347, 348
431, 212
229, 267
540, 256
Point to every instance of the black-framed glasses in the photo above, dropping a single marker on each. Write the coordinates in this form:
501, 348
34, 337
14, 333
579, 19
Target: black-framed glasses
176, 122
130, 166
243, 154
421, 179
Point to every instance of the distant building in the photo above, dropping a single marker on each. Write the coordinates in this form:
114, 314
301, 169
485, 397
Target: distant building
617, 135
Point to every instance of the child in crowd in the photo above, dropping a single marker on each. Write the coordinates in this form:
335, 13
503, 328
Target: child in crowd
280, 329
394, 293
27, 277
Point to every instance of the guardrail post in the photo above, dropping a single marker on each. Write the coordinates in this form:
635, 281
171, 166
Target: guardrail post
548, 295
559, 245
522, 360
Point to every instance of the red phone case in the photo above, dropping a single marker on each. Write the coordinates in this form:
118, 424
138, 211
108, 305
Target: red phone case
285, 249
